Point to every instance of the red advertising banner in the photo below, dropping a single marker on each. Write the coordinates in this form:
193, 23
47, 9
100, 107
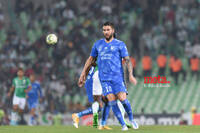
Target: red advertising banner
87, 120
196, 119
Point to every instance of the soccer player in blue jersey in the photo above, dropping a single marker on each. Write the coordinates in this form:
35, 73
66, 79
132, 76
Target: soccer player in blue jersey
33, 99
109, 52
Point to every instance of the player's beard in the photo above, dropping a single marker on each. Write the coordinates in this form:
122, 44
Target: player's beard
108, 38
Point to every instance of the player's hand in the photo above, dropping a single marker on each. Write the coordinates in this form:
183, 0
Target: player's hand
132, 79
26, 91
81, 80
41, 100
8, 94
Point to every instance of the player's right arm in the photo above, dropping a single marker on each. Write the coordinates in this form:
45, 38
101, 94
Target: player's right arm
11, 91
12, 88
90, 61
85, 70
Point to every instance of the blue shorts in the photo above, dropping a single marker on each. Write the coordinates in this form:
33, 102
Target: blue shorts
113, 87
32, 104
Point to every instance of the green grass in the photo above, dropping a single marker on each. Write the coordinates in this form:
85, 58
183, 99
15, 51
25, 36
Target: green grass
87, 129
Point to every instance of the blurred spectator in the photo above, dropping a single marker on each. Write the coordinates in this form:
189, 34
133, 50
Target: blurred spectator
161, 62
194, 66
188, 51
133, 62
147, 65
171, 62
196, 49
177, 69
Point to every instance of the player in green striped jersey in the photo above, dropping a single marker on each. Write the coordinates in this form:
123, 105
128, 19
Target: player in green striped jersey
21, 85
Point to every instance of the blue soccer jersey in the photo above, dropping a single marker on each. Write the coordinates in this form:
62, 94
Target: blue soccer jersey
89, 84
109, 58
34, 94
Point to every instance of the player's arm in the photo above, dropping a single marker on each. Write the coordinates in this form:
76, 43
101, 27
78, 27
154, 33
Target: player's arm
85, 70
11, 91
29, 86
40, 93
132, 79
28, 89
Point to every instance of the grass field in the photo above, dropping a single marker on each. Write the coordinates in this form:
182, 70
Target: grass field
85, 129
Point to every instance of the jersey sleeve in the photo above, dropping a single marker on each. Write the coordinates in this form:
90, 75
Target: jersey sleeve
123, 50
94, 52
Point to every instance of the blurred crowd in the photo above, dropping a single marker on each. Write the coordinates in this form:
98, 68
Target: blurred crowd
149, 28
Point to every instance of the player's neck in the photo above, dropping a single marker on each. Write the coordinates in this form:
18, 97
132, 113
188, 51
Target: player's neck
110, 40
20, 78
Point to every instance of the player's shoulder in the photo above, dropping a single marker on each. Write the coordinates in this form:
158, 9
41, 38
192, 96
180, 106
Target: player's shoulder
37, 83
26, 78
15, 78
119, 42
99, 41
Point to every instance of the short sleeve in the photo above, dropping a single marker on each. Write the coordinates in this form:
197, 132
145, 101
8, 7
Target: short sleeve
123, 50
94, 52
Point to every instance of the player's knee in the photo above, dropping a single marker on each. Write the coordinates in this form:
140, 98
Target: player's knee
32, 111
111, 97
97, 98
21, 110
15, 108
121, 96
104, 99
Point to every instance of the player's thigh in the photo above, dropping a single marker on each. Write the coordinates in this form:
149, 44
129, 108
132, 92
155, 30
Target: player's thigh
22, 103
107, 88
16, 102
120, 90
97, 88
111, 97
32, 105
97, 98
121, 96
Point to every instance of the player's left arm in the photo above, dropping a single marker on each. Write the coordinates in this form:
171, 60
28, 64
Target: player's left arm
40, 91
28, 89
29, 86
85, 70
132, 79
124, 54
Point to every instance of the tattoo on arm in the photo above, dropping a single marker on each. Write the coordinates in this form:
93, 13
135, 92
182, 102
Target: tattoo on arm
125, 75
129, 65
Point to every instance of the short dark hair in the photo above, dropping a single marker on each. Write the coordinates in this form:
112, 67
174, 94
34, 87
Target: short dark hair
109, 24
20, 69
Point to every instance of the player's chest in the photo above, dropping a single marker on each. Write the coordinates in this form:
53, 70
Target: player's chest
108, 49
20, 82
34, 88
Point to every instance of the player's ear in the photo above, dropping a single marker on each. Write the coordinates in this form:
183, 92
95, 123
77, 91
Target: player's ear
113, 30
